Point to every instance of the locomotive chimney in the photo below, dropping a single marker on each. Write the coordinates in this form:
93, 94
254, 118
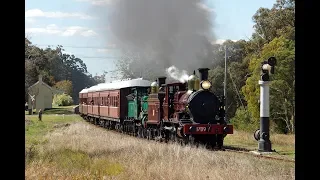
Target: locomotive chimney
161, 80
203, 72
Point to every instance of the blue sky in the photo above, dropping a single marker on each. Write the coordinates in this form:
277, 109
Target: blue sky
71, 23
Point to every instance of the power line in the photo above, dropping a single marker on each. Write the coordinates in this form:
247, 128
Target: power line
93, 57
70, 46
84, 47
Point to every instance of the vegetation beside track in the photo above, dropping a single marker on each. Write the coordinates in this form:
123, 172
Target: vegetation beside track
67, 147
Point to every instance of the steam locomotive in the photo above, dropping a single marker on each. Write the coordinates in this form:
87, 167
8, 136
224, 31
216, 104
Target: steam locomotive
184, 112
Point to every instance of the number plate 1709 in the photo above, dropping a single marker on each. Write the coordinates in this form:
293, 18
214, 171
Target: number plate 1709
201, 129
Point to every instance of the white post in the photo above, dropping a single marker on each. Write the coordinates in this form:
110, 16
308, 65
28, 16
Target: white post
264, 141
225, 82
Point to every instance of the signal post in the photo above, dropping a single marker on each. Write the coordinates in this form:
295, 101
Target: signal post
262, 135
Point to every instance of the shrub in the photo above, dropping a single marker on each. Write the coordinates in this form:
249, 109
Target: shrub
62, 100
242, 120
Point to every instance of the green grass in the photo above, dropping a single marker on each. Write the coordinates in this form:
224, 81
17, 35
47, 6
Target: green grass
35, 130
56, 110
65, 160
27, 112
77, 160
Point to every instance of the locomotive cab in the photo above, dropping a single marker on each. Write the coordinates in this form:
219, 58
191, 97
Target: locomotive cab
135, 99
173, 92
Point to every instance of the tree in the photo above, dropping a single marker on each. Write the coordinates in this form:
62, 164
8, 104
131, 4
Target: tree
100, 79
275, 22
282, 94
65, 86
236, 73
56, 66
135, 65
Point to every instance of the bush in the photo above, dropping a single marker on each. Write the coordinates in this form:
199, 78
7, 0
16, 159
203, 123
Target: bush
242, 121
62, 100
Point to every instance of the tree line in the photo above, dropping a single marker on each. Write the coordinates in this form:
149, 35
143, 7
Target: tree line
274, 35
59, 70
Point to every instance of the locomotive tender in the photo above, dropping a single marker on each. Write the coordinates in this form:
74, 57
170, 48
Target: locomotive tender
186, 112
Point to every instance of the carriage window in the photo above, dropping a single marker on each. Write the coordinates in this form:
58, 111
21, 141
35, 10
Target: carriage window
170, 89
182, 87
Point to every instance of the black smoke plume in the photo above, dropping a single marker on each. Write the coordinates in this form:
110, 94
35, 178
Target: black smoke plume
163, 34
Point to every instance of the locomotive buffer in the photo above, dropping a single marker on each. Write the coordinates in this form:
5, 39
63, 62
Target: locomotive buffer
262, 135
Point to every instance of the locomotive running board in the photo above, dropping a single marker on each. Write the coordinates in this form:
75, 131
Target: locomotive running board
207, 129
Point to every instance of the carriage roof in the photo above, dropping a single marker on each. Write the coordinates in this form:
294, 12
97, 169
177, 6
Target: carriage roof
120, 84
84, 90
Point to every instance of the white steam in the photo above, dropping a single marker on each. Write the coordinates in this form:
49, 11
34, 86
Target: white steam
176, 74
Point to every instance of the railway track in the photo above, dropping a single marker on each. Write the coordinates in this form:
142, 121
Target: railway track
225, 148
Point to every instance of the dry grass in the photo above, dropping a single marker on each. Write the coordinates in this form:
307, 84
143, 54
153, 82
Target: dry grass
278, 139
83, 151
283, 144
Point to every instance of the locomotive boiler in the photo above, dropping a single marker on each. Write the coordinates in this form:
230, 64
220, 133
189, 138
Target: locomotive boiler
188, 112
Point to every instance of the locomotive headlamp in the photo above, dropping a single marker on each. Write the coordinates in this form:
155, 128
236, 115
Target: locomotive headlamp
205, 85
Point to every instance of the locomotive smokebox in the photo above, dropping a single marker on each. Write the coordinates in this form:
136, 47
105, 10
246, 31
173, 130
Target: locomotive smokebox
203, 72
161, 80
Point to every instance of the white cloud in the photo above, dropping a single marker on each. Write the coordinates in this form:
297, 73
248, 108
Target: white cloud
103, 50
69, 31
33, 13
29, 21
221, 41
78, 30
205, 7
98, 2
88, 33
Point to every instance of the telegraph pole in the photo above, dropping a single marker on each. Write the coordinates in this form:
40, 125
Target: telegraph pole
225, 82
263, 135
